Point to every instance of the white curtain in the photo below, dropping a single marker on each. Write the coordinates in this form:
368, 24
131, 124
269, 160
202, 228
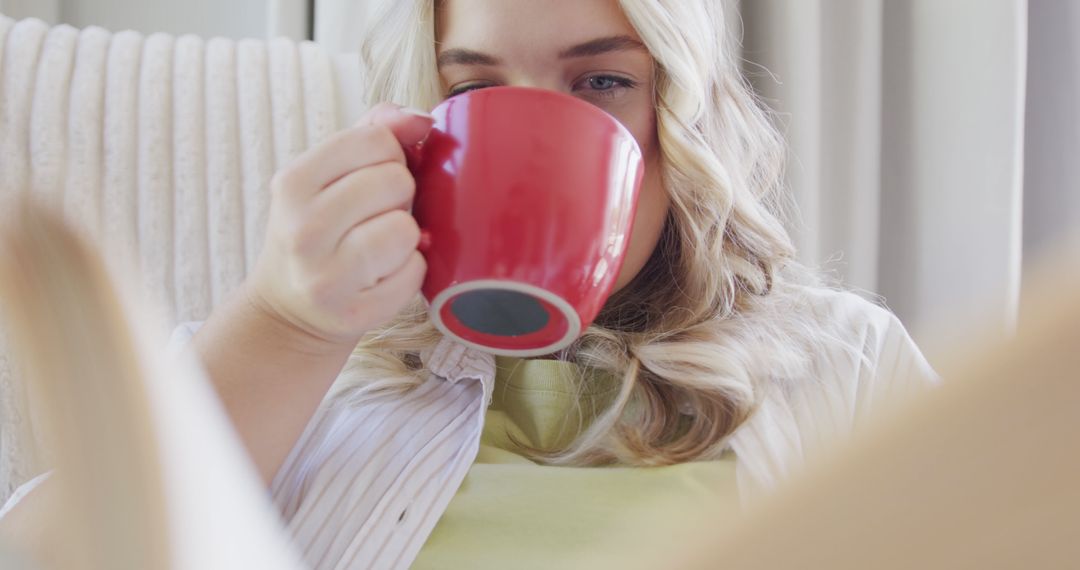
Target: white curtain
335, 23
934, 144
1052, 153
906, 126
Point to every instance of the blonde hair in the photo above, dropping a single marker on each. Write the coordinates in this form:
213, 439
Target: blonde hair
714, 317
77, 354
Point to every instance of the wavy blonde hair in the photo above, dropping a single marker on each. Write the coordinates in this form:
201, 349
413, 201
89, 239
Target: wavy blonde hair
712, 318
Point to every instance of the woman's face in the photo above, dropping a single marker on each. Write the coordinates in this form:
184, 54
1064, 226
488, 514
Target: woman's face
585, 48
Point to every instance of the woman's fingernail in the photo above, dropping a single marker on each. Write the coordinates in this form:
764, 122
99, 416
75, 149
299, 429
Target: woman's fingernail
425, 241
417, 112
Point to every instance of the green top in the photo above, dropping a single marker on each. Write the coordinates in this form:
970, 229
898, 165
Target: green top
513, 513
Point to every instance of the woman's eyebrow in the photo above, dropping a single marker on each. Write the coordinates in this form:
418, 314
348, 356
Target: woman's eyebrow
601, 46
459, 56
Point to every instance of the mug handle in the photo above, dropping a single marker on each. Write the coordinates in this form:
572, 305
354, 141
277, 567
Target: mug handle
413, 155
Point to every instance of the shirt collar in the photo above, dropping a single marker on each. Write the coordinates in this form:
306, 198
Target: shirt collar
453, 362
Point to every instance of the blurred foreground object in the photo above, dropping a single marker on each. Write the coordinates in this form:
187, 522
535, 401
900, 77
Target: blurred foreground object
983, 472
147, 471
104, 507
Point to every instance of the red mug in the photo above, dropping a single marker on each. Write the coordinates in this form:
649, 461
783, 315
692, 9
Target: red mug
526, 198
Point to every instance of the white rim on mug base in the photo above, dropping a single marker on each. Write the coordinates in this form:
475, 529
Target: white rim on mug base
573, 322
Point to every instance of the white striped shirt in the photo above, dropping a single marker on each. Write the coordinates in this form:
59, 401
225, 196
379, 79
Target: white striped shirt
364, 486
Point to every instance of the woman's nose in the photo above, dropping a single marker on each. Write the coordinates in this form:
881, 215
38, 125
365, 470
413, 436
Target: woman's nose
550, 84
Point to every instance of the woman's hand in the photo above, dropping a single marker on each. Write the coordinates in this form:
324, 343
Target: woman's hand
341, 256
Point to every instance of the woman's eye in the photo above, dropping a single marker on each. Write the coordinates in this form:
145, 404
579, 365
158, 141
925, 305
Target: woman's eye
602, 83
604, 86
465, 88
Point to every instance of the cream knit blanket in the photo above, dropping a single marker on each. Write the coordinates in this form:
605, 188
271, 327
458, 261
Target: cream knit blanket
161, 148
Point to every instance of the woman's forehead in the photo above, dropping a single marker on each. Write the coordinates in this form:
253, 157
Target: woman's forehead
496, 26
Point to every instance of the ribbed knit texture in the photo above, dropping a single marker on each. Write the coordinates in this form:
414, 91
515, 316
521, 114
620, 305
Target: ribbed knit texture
159, 148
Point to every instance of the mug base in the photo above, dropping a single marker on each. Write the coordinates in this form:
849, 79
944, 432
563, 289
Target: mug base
505, 318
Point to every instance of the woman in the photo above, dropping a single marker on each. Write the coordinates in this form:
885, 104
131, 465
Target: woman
716, 369
716, 351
